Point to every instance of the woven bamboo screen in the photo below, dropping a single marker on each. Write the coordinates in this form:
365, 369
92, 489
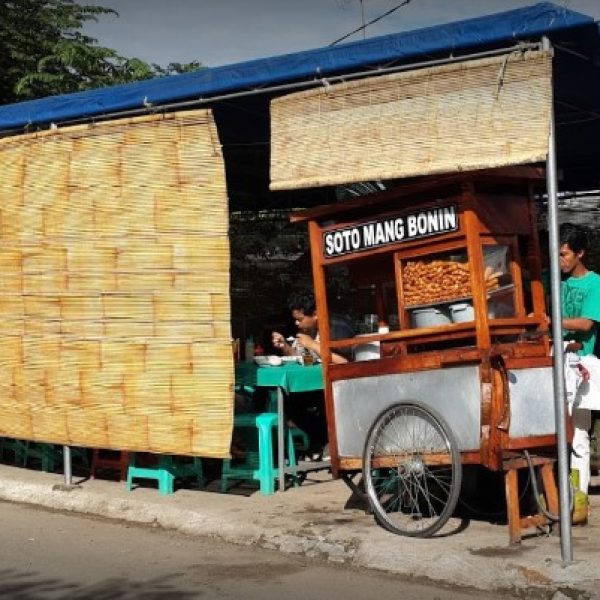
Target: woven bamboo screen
114, 287
476, 114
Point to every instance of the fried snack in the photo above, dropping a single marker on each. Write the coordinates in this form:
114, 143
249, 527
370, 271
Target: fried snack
430, 281
492, 279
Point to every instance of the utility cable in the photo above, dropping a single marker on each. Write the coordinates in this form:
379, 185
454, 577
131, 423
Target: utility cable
365, 25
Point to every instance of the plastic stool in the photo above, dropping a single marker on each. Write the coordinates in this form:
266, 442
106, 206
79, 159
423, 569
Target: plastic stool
46, 453
164, 472
182, 467
258, 464
297, 440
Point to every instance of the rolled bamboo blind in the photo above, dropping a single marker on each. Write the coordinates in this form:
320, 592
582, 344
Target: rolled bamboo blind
475, 114
114, 293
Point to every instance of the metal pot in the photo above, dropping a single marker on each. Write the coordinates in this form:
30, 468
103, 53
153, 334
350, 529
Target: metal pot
429, 317
462, 312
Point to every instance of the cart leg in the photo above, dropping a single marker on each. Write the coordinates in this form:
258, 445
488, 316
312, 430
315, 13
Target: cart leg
512, 506
550, 488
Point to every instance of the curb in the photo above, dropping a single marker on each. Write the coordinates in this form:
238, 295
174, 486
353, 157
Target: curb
306, 525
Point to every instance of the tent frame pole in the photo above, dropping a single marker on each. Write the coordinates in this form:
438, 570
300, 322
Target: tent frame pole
67, 466
556, 320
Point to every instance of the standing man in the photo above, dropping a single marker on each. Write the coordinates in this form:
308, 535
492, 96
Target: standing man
580, 296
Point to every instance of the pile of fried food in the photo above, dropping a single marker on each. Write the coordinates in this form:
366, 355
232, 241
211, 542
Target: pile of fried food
492, 279
430, 281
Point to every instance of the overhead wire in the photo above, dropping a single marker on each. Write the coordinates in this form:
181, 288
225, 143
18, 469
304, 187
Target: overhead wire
365, 25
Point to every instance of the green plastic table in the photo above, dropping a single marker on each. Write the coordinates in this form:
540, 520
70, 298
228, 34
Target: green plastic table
286, 379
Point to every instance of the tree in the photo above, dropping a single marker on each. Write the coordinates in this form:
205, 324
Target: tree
43, 52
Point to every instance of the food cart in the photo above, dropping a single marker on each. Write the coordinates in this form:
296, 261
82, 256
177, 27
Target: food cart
463, 370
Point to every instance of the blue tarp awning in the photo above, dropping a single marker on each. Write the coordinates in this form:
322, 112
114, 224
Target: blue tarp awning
499, 29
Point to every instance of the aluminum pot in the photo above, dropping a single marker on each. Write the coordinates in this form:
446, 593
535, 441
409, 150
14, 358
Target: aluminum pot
429, 317
462, 312
368, 351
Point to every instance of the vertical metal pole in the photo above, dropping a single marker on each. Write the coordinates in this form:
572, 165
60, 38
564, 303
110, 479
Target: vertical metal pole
559, 370
280, 439
67, 465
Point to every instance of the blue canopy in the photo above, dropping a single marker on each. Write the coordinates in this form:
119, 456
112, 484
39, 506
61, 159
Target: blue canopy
494, 30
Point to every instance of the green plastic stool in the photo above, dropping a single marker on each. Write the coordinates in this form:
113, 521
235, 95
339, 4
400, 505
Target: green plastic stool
17, 447
258, 463
164, 472
46, 453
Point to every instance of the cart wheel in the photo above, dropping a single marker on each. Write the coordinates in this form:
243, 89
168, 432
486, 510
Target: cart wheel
412, 470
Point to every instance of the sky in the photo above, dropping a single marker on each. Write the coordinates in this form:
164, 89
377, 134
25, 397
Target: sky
217, 32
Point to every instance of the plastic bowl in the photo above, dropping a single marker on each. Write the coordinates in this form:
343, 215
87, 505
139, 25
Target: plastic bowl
275, 361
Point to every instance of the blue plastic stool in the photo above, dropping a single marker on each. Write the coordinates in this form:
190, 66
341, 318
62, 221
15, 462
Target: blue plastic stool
164, 472
258, 463
297, 438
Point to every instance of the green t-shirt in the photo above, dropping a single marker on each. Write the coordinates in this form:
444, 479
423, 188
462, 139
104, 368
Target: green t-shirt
581, 298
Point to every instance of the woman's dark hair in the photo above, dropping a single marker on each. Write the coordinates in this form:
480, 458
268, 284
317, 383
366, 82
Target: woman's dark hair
304, 301
573, 236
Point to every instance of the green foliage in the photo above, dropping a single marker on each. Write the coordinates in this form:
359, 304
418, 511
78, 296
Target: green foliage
43, 52
175, 68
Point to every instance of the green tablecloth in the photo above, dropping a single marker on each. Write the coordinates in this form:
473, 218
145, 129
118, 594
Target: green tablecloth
289, 377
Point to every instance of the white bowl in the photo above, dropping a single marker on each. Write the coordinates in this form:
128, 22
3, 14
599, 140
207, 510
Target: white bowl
275, 361
291, 359
261, 361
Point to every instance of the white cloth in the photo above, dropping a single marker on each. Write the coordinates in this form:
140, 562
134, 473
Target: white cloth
580, 448
583, 397
588, 392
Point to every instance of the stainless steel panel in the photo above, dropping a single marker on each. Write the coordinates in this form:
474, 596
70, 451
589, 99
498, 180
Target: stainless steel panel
453, 392
531, 402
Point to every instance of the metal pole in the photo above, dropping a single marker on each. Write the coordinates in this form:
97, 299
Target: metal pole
280, 439
558, 371
67, 465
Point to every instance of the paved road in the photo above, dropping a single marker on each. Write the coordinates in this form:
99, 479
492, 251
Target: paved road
47, 555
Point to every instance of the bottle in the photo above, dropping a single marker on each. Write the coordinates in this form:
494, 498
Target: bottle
580, 501
249, 349
307, 358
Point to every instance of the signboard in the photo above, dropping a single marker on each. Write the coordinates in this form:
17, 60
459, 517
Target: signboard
390, 230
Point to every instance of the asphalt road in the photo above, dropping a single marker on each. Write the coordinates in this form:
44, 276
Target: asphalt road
47, 555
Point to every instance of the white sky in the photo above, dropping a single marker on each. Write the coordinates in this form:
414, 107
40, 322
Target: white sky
217, 32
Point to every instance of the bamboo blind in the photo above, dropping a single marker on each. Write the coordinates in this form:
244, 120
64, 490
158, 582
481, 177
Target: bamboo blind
475, 114
114, 293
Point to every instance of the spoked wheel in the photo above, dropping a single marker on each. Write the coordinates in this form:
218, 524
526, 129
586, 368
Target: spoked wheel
412, 470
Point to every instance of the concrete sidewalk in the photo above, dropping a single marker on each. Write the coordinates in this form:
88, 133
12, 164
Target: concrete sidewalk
317, 520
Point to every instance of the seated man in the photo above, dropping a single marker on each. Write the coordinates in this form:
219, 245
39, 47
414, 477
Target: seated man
306, 410
304, 313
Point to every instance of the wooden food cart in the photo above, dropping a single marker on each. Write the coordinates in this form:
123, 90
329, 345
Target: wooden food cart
464, 374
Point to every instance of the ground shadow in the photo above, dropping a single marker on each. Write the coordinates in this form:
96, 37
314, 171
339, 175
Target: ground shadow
34, 586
